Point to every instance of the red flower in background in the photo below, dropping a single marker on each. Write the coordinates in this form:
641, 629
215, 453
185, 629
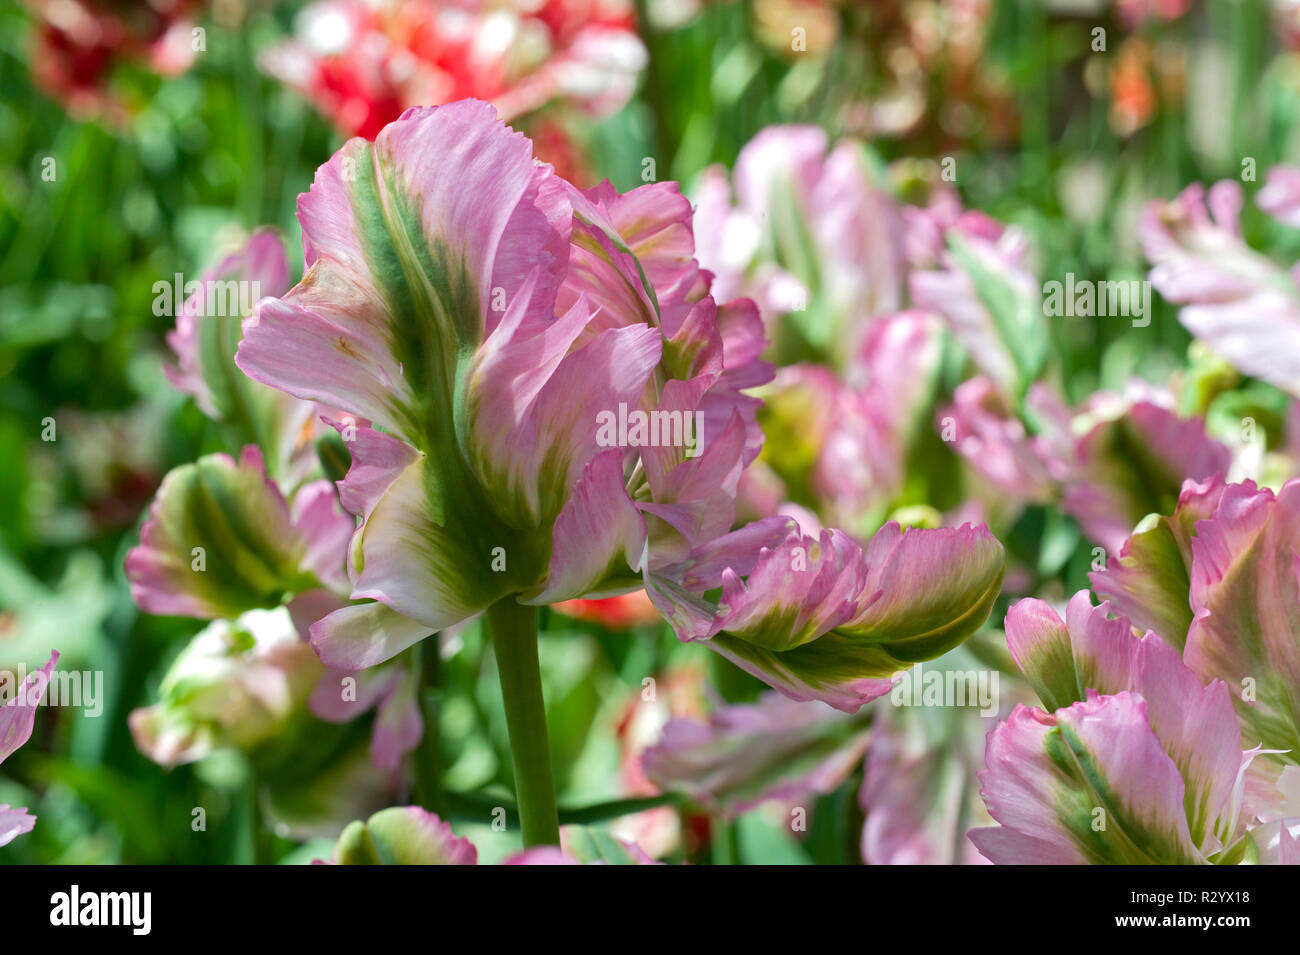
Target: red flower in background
363, 63
78, 42
616, 613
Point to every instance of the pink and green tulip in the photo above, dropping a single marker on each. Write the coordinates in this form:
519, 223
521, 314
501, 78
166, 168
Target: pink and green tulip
1218, 580
484, 318
490, 320
1134, 759
822, 618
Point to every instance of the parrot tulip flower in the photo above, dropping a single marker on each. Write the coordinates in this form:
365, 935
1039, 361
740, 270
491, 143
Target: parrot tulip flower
1134, 760
1245, 600
1217, 579
488, 479
1113, 460
558, 410
486, 338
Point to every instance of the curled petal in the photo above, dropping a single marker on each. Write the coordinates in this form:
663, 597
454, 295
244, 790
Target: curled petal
1091, 652
219, 540
824, 619
1050, 778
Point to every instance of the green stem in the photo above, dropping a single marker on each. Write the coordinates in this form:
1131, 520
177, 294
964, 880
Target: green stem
514, 639
261, 838
428, 764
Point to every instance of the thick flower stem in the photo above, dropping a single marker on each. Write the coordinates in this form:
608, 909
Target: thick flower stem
514, 638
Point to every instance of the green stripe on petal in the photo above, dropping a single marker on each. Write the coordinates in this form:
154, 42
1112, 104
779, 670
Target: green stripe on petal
219, 540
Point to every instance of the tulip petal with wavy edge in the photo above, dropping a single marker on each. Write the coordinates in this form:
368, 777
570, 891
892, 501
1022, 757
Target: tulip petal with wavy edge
405, 267
822, 619
255, 549
1117, 458
1238, 302
1091, 651
402, 835
1149, 580
18, 715
1049, 774
746, 754
1246, 601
